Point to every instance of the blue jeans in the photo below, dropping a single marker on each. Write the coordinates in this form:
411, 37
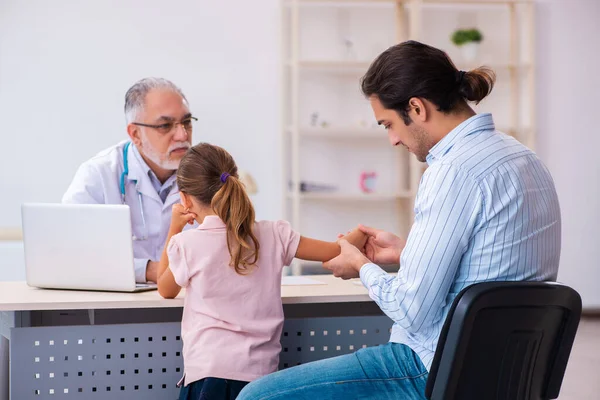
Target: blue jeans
390, 371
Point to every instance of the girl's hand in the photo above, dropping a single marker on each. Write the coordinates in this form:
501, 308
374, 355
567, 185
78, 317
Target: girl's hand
180, 217
348, 264
357, 238
382, 247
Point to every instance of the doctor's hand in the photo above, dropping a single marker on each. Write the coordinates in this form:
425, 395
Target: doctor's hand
382, 247
180, 217
348, 264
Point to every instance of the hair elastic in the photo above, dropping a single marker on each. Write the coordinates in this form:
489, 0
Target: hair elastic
459, 77
224, 176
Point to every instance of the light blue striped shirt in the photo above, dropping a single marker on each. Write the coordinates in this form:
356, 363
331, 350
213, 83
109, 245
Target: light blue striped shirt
486, 210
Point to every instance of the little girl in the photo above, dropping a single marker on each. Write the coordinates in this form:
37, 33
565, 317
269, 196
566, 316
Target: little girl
231, 268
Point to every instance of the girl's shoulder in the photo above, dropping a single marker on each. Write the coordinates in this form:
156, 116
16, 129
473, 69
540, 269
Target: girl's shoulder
280, 231
276, 226
187, 236
187, 233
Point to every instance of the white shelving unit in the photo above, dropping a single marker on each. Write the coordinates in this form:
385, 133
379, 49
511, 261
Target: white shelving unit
359, 197
329, 134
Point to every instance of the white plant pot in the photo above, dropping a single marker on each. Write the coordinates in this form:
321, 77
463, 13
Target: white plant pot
470, 51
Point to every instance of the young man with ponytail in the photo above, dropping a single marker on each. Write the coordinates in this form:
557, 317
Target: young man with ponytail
231, 268
486, 210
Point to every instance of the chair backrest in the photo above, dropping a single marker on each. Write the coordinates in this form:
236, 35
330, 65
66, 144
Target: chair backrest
505, 341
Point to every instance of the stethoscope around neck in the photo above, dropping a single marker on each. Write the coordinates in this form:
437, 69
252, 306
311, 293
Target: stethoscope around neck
122, 187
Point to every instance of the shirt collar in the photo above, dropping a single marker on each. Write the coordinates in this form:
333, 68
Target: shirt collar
472, 125
161, 186
211, 222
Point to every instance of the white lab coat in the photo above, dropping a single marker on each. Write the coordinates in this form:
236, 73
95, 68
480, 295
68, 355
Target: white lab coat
97, 181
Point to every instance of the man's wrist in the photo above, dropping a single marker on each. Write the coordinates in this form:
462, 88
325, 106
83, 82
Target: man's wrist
361, 263
370, 273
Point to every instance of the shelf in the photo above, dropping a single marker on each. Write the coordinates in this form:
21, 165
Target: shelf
514, 131
494, 66
373, 2
375, 133
361, 67
353, 196
406, 3
473, 2
466, 4
343, 133
10, 234
333, 66
344, 3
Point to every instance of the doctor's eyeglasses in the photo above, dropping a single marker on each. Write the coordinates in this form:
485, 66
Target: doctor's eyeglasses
168, 127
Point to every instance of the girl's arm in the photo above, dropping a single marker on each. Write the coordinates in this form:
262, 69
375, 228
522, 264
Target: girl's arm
318, 250
167, 287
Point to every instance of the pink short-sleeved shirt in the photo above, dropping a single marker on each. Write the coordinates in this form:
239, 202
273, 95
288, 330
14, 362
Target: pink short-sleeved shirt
232, 324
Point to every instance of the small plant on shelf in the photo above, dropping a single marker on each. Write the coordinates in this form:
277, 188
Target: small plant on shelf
468, 41
463, 36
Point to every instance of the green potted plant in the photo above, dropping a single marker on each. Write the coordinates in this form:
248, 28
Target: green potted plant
468, 41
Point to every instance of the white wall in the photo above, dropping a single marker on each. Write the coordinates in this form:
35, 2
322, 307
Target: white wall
65, 66
568, 87
12, 263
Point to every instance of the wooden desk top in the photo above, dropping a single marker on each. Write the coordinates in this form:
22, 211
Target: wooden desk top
17, 296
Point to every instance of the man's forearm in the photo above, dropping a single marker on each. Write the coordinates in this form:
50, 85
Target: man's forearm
151, 271
140, 266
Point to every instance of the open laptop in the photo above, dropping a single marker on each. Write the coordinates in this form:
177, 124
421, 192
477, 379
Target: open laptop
79, 246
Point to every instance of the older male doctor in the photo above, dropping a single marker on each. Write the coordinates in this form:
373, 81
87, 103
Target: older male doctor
140, 171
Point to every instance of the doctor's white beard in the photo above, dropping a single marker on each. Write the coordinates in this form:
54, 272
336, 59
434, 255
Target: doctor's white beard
162, 160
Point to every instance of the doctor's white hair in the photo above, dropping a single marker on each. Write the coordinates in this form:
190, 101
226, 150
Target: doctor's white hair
136, 95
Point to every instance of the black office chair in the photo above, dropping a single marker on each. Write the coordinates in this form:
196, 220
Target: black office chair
505, 341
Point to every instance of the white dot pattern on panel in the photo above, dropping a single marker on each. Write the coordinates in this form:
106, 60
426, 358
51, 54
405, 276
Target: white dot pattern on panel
329, 337
134, 361
109, 361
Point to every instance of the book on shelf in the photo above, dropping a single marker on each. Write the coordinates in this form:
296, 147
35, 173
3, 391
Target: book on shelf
307, 187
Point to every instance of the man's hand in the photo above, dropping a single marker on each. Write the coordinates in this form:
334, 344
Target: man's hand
382, 247
152, 271
180, 217
347, 265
